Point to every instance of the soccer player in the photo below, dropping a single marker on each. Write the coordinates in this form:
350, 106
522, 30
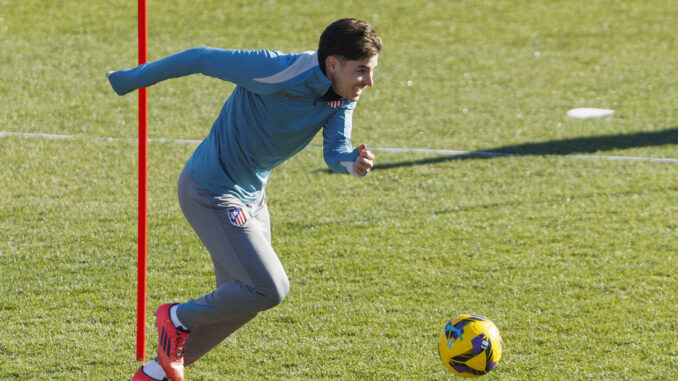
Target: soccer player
279, 104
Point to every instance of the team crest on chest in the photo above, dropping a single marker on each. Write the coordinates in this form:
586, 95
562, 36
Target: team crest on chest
334, 104
237, 217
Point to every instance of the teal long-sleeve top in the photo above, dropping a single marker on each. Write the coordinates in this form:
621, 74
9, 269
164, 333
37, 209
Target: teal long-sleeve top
278, 105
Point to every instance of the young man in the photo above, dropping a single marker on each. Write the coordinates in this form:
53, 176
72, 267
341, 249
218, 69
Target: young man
279, 104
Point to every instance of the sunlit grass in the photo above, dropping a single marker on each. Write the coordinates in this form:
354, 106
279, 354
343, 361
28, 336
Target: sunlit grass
574, 260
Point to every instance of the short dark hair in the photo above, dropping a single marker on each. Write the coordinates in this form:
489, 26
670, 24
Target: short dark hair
349, 38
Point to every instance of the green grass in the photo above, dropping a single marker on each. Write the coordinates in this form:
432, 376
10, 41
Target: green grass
575, 260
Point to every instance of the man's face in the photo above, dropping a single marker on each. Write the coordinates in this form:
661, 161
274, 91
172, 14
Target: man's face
349, 77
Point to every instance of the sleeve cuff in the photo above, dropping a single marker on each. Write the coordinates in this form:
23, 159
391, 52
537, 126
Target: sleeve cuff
349, 168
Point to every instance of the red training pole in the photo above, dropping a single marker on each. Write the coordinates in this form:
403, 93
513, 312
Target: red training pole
143, 176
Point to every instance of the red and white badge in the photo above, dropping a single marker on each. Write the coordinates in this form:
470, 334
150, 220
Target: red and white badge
237, 217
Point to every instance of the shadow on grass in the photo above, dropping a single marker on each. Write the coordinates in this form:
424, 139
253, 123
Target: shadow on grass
557, 147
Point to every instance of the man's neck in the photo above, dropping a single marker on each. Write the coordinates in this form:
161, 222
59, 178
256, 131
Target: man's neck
330, 95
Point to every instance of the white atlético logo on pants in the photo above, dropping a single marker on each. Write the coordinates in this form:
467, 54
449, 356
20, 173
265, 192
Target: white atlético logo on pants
237, 217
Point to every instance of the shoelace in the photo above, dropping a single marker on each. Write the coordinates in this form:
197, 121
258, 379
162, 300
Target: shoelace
180, 341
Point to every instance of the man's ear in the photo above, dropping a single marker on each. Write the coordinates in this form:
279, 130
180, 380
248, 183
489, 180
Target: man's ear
331, 64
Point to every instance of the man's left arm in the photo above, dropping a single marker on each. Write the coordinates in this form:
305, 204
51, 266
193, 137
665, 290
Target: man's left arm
337, 149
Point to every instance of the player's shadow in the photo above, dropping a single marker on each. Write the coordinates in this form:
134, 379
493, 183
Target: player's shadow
589, 144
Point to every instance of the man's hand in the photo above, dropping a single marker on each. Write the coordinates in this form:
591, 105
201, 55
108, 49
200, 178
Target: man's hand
364, 162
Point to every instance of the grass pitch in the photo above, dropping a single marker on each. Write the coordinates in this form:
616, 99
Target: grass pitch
575, 260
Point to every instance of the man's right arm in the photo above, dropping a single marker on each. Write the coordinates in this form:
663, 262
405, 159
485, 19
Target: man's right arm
176, 65
235, 66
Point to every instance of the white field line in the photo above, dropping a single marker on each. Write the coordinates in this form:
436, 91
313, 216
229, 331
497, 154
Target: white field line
376, 149
72, 137
500, 154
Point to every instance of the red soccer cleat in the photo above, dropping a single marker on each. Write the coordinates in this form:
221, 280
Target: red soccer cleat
141, 376
171, 344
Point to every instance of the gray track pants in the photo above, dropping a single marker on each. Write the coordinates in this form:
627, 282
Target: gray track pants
249, 275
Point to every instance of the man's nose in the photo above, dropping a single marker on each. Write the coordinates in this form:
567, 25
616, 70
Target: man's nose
368, 80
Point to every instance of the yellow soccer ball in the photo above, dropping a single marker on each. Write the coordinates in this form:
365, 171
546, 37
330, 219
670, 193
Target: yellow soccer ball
470, 345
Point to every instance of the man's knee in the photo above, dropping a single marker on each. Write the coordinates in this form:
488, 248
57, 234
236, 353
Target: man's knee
276, 292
